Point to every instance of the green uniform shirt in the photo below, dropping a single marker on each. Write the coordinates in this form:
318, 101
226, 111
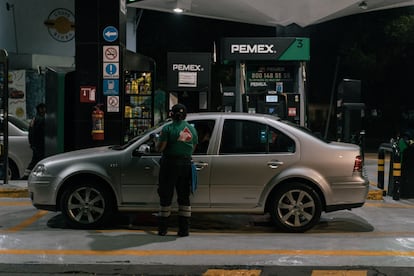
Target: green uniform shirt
180, 137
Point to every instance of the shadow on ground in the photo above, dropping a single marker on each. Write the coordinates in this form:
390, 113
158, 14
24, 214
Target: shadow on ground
342, 221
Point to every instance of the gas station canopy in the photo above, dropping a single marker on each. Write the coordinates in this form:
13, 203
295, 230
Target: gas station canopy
270, 12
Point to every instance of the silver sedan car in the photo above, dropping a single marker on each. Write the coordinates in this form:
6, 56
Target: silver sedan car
253, 163
19, 151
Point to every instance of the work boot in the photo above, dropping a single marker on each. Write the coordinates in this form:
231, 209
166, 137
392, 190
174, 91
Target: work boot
162, 226
183, 224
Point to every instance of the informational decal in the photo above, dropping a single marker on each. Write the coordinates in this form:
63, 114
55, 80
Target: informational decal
112, 104
17, 93
111, 70
292, 111
111, 53
187, 79
111, 87
61, 24
279, 87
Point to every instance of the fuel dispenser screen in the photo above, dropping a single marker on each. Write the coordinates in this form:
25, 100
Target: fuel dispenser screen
272, 98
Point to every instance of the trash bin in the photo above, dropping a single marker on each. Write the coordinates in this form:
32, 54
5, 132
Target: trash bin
407, 173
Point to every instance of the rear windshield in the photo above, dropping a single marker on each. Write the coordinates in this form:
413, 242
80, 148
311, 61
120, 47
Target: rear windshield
308, 131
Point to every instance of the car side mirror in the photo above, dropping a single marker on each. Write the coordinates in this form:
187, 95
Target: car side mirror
143, 149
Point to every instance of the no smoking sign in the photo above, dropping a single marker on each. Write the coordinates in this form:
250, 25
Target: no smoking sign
112, 104
111, 53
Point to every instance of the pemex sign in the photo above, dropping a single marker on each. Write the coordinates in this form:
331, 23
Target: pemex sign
265, 48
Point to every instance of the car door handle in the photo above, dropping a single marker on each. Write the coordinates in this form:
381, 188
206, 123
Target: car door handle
200, 165
274, 164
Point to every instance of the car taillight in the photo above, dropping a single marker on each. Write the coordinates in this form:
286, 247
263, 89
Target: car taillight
358, 164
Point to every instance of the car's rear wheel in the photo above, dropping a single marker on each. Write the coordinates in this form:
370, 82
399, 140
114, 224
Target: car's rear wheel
295, 208
86, 205
12, 171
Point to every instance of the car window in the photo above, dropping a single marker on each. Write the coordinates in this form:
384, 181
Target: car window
22, 125
204, 130
251, 137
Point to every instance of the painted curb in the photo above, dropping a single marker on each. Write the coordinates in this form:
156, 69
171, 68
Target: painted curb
375, 195
14, 192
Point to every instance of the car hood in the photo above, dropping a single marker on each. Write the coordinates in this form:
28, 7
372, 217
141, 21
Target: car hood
89, 153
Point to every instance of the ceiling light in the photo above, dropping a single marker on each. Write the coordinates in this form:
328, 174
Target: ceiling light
182, 6
178, 10
363, 5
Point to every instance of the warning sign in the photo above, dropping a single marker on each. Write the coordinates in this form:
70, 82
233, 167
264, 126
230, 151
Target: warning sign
112, 104
111, 53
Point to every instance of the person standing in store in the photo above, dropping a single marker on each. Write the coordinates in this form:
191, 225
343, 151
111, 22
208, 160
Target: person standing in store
176, 143
37, 138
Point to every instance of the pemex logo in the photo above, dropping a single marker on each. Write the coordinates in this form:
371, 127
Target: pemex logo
61, 24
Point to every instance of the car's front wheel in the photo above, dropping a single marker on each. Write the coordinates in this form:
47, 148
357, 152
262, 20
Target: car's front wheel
295, 208
86, 205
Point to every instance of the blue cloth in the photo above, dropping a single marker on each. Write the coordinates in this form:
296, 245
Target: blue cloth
194, 179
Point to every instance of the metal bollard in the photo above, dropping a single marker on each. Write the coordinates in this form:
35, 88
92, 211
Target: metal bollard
396, 172
381, 164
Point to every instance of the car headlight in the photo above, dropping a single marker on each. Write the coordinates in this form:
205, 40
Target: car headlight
39, 170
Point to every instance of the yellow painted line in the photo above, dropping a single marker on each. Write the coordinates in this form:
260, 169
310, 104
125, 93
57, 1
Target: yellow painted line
232, 272
148, 253
388, 205
339, 272
27, 222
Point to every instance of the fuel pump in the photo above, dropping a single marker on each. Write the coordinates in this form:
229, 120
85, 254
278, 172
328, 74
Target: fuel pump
98, 123
275, 104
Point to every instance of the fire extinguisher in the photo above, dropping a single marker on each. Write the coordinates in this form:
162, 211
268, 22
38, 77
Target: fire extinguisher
97, 123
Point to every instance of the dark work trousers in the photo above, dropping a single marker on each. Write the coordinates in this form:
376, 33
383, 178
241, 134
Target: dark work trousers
175, 174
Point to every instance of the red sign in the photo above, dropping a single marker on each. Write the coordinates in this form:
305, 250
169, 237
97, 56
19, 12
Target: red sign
87, 94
